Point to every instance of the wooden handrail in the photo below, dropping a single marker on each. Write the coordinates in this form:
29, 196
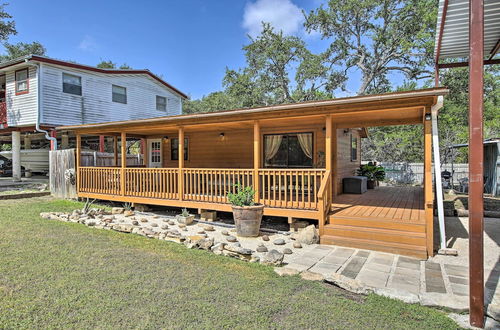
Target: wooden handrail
324, 184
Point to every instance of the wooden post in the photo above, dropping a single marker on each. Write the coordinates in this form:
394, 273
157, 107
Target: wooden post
53, 145
476, 167
101, 143
335, 176
145, 151
115, 150
124, 162
428, 195
181, 163
256, 160
78, 160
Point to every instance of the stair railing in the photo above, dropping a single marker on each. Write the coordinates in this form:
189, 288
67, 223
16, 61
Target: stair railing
324, 200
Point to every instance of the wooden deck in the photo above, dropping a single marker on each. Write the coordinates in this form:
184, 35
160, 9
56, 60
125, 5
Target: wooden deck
390, 219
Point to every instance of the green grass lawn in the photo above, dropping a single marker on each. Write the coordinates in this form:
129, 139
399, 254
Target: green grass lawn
66, 275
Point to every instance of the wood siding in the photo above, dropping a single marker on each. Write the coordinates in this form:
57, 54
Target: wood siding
95, 105
21, 109
235, 150
346, 167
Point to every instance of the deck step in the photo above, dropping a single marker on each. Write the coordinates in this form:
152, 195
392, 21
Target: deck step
377, 234
415, 251
376, 223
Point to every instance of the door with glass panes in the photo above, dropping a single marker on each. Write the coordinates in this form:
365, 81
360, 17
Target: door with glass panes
154, 151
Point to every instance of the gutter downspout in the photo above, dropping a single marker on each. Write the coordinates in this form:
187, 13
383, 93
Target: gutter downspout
437, 173
39, 107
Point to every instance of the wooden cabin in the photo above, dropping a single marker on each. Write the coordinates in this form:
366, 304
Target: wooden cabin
294, 155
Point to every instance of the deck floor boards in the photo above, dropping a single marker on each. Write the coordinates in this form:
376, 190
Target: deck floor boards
399, 204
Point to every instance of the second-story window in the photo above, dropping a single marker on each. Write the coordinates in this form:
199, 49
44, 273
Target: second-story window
72, 84
161, 103
119, 94
22, 82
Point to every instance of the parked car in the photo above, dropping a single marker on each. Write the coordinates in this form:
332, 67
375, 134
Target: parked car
6, 167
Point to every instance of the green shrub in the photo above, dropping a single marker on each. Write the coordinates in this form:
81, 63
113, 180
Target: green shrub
244, 196
372, 171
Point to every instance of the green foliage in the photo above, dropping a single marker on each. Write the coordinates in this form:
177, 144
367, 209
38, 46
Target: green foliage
372, 171
127, 206
185, 212
378, 37
7, 26
22, 49
111, 65
244, 196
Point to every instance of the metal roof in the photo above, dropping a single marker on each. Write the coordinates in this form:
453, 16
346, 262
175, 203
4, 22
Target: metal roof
454, 35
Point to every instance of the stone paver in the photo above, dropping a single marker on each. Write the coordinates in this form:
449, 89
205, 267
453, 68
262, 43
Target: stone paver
352, 269
434, 278
373, 278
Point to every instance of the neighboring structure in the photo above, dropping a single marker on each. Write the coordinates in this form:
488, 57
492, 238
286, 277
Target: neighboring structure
39, 93
294, 155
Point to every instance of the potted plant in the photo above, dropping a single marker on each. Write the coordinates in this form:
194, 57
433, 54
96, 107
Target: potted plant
247, 215
185, 217
373, 172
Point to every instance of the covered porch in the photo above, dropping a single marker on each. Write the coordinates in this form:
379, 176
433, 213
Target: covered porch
193, 161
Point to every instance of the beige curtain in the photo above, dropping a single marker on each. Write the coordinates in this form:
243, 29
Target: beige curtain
272, 145
306, 143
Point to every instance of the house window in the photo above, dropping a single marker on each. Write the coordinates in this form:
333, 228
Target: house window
72, 84
119, 94
174, 149
288, 150
354, 148
161, 103
22, 82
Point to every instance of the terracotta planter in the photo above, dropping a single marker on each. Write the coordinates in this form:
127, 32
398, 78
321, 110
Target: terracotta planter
370, 184
247, 220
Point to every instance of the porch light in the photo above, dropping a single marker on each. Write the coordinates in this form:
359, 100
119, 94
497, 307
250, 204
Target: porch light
166, 138
427, 116
221, 135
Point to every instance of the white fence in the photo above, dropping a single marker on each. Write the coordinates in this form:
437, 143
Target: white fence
413, 173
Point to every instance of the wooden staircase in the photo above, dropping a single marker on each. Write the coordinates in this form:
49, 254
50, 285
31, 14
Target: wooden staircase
379, 234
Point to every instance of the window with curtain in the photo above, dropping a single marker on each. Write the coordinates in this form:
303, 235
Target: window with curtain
288, 150
174, 149
354, 148
161, 103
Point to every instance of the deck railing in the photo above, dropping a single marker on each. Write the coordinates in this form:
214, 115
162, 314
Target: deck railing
100, 180
281, 188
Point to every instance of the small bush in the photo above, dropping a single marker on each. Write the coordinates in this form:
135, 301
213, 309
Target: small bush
244, 196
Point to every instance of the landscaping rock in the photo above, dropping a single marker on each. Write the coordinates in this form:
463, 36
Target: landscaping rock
182, 225
225, 233
287, 251
148, 232
164, 226
128, 213
206, 243
123, 228
154, 224
144, 220
254, 258
116, 210
279, 241
238, 249
171, 222
231, 239
348, 283
297, 245
308, 235
283, 271
209, 228
261, 248
273, 258
265, 238
135, 223
201, 231
218, 248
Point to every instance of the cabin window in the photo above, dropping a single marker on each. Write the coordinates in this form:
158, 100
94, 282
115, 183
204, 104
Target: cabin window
354, 148
174, 149
72, 84
161, 103
288, 150
22, 82
119, 94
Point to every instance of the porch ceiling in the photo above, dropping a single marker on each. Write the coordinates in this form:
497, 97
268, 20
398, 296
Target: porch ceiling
361, 111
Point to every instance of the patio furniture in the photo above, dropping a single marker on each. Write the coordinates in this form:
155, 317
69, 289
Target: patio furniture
355, 184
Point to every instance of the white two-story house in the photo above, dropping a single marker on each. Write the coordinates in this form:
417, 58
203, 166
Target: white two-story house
38, 93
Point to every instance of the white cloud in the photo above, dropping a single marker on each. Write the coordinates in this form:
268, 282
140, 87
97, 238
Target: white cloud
281, 14
87, 44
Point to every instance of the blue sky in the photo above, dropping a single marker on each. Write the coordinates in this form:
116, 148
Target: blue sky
189, 43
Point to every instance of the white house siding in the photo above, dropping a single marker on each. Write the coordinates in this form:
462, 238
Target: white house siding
21, 109
96, 105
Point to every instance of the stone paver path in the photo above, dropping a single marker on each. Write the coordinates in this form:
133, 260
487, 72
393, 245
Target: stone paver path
432, 283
